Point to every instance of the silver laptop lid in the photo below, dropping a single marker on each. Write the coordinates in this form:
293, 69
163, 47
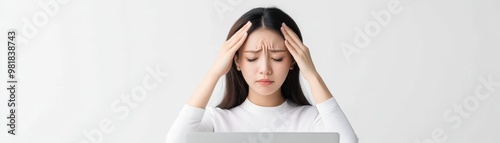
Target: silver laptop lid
262, 137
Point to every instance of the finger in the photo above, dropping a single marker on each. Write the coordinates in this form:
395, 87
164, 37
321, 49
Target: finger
236, 36
237, 33
289, 39
240, 42
243, 29
301, 49
290, 48
291, 33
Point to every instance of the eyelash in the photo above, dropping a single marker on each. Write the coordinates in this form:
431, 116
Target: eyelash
251, 60
277, 60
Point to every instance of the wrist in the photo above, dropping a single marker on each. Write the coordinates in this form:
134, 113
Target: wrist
313, 77
213, 74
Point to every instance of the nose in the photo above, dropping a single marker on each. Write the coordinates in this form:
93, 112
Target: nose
265, 67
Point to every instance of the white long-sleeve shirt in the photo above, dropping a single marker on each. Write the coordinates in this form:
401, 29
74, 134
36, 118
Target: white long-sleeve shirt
249, 117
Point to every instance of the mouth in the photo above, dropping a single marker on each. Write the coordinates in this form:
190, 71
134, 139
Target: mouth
264, 82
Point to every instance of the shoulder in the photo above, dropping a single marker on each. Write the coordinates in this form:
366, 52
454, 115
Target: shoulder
219, 112
306, 110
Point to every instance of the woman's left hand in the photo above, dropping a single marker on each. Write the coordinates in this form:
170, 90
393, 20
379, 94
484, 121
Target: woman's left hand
299, 52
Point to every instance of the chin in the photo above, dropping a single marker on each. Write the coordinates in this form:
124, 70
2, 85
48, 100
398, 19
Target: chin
266, 92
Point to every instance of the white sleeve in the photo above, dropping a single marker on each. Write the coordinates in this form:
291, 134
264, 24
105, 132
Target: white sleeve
190, 119
332, 119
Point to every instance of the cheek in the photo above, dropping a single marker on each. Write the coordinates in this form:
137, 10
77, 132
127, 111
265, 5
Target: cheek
248, 69
281, 68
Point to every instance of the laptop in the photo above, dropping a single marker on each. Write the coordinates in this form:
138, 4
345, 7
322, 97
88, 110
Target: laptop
262, 137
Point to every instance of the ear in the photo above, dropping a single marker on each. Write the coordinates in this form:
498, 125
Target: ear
236, 60
292, 65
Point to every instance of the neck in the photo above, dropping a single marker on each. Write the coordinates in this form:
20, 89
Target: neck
271, 100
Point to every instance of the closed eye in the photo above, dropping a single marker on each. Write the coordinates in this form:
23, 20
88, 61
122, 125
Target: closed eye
251, 60
278, 60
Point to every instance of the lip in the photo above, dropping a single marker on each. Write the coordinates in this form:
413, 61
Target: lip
264, 82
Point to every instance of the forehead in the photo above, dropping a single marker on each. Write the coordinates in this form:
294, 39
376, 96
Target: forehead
264, 38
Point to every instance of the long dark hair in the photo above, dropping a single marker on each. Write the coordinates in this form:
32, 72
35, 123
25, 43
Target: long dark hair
236, 88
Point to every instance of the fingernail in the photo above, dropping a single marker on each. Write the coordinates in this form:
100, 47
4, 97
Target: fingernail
249, 22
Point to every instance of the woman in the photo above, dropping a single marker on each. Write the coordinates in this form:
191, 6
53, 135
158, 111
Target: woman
261, 59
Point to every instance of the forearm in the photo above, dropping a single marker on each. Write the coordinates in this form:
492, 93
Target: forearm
191, 115
319, 90
331, 114
333, 119
204, 90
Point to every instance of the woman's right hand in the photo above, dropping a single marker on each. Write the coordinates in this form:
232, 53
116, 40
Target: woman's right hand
229, 48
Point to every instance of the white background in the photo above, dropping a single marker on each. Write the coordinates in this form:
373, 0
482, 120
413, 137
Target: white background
80, 56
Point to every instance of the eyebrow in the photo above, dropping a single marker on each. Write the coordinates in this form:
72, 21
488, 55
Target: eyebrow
272, 51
